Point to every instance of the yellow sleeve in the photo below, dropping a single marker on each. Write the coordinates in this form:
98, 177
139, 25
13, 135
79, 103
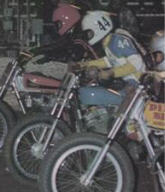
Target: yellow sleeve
99, 63
124, 70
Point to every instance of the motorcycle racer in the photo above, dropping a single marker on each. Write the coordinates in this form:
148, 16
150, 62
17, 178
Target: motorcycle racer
158, 45
123, 54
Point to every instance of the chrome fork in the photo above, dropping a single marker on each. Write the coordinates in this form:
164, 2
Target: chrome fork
138, 116
87, 177
2, 89
62, 98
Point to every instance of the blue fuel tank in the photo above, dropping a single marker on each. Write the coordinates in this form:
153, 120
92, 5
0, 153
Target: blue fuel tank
98, 96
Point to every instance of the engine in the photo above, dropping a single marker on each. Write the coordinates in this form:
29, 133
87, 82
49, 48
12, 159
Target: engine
98, 118
39, 101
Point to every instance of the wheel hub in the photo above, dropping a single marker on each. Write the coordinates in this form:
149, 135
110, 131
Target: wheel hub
85, 183
36, 150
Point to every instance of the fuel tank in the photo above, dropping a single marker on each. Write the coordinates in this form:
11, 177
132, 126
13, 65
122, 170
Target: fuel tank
28, 82
99, 96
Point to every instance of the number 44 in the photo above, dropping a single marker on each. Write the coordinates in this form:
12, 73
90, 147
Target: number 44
123, 43
104, 24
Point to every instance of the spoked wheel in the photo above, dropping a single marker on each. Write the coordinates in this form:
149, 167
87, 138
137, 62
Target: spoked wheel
3, 129
64, 169
24, 147
71, 168
27, 149
7, 121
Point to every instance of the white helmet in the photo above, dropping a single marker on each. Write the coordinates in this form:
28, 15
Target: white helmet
158, 44
97, 24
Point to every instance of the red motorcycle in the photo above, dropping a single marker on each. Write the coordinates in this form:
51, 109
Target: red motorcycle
32, 91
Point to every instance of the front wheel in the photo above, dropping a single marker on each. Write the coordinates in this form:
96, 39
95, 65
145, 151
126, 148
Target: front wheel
7, 121
23, 148
63, 169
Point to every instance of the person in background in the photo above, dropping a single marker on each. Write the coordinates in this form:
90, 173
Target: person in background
157, 47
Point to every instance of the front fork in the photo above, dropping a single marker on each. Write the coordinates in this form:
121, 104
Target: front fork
4, 88
151, 151
19, 98
88, 176
64, 95
138, 116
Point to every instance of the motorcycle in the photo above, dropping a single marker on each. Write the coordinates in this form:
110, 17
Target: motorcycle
26, 88
33, 92
83, 109
91, 162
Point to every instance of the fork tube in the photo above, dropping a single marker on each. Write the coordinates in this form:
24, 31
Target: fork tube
150, 149
14, 63
19, 98
51, 131
57, 103
66, 95
122, 117
71, 83
142, 129
137, 115
87, 177
42, 135
2, 90
54, 126
161, 173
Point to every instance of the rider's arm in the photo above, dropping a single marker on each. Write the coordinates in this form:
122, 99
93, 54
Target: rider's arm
124, 70
99, 63
133, 65
130, 66
119, 71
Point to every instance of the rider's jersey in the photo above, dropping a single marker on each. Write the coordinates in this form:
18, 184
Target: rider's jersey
123, 54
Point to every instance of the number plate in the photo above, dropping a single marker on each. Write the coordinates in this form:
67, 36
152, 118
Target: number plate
155, 114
